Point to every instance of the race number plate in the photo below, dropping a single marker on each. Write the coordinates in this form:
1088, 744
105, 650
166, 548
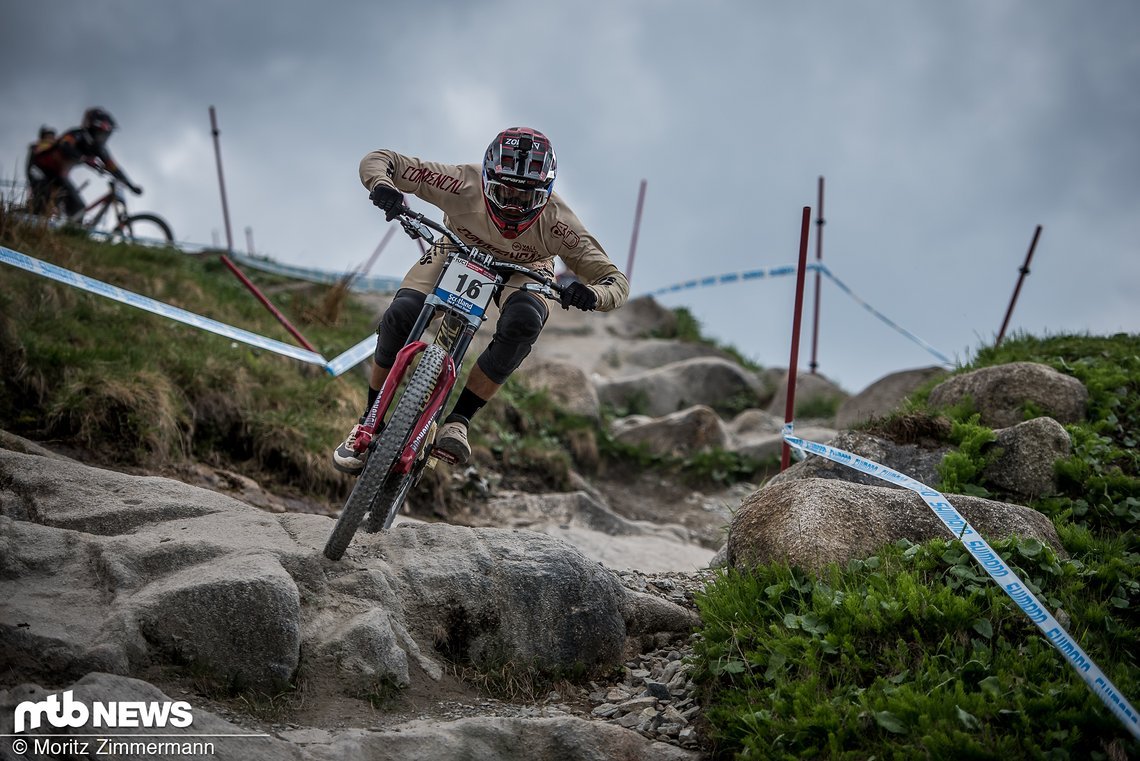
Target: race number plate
466, 286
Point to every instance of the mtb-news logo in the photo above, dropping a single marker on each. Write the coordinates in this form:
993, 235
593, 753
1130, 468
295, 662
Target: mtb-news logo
68, 712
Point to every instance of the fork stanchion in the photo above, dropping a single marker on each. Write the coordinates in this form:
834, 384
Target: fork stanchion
266, 303
790, 406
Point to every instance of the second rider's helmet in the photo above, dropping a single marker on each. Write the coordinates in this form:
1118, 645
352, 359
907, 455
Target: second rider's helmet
98, 124
518, 176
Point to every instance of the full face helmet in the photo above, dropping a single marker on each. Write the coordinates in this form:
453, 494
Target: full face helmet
518, 176
98, 124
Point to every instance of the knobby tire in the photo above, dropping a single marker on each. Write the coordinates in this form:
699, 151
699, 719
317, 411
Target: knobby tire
373, 493
135, 228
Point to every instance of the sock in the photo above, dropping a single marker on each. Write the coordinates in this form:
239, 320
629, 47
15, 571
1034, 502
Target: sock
372, 394
466, 407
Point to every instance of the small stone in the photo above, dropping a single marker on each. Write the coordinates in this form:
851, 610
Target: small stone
629, 721
639, 673
658, 690
605, 710
637, 704
617, 695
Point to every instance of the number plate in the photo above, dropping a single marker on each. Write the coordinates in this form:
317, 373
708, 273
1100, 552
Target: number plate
466, 286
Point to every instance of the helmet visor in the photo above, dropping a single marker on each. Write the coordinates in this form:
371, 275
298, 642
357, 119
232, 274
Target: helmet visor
512, 200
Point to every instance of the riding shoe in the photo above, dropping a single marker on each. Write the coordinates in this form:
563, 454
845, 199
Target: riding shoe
451, 443
345, 457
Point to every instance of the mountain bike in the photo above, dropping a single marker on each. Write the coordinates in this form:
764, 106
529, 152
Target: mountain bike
111, 218
144, 228
401, 448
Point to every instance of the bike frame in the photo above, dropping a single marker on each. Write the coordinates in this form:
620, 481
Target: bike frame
111, 199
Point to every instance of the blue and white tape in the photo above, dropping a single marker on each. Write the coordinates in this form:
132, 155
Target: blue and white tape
732, 277
993, 565
336, 367
790, 269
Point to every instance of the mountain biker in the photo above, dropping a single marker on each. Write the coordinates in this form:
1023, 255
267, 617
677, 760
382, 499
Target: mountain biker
506, 208
48, 169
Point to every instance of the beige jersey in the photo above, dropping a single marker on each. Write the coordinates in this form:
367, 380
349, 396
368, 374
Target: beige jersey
458, 191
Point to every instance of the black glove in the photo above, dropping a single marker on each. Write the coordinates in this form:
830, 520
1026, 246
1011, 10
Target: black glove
580, 297
388, 199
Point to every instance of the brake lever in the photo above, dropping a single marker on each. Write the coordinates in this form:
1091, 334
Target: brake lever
416, 230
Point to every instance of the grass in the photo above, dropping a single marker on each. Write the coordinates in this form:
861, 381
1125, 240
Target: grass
135, 388
915, 652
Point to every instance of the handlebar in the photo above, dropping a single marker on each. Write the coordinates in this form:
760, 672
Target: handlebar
414, 224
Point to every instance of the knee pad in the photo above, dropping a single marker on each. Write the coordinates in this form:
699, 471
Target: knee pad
396, 323
520, 321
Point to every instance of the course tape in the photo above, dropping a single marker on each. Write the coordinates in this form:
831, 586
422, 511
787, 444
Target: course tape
843, 287
992, 563
733, 277
336, 367
790, 269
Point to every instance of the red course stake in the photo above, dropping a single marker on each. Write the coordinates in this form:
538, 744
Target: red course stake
789, 408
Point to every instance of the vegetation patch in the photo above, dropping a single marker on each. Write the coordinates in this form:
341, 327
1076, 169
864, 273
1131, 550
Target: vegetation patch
916, 647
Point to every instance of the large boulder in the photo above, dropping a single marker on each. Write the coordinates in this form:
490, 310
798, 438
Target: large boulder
884, 396
1028, 455
567, 384
679, 434
1005, 394
710, 381
813, 522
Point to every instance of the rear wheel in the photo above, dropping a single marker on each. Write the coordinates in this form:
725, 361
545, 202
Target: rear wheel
145, 229
377, 490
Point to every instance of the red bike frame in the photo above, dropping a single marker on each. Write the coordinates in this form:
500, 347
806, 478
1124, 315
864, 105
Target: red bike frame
387, 394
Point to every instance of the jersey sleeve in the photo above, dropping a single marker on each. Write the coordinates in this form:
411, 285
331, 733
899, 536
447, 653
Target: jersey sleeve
439, 184
586, 258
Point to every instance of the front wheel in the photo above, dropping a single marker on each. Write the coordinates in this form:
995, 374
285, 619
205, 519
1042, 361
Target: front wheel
377, 490
145, 229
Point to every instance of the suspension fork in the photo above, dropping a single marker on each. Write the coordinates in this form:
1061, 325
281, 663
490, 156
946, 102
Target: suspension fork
387, 392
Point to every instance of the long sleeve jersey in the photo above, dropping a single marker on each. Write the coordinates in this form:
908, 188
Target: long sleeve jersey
458, 191
74, 147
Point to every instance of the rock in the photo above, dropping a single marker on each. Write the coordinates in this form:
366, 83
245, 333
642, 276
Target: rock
762, 447
567, 384
709, 381
884, 396
678, 434
920, 463
496, 597
1029, 452
817, 397
237, 617
813, 522
1001, 393
651, 353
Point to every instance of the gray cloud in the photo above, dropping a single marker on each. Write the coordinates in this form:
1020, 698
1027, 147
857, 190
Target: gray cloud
946, 132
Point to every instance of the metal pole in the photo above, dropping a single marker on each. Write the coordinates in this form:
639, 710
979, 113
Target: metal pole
1017, 289
221, 179
266, 303
636, 228
249, 240
819, 258
790, 405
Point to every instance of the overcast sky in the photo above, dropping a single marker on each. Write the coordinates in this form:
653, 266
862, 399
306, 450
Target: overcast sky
946, 131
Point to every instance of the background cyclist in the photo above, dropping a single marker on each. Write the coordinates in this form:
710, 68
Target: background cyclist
49, 167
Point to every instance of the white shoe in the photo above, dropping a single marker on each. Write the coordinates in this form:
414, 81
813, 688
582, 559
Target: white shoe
345, 457
451, 444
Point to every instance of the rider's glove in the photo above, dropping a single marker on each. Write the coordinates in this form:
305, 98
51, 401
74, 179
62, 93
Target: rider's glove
136, 189
580, 297
388, 199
